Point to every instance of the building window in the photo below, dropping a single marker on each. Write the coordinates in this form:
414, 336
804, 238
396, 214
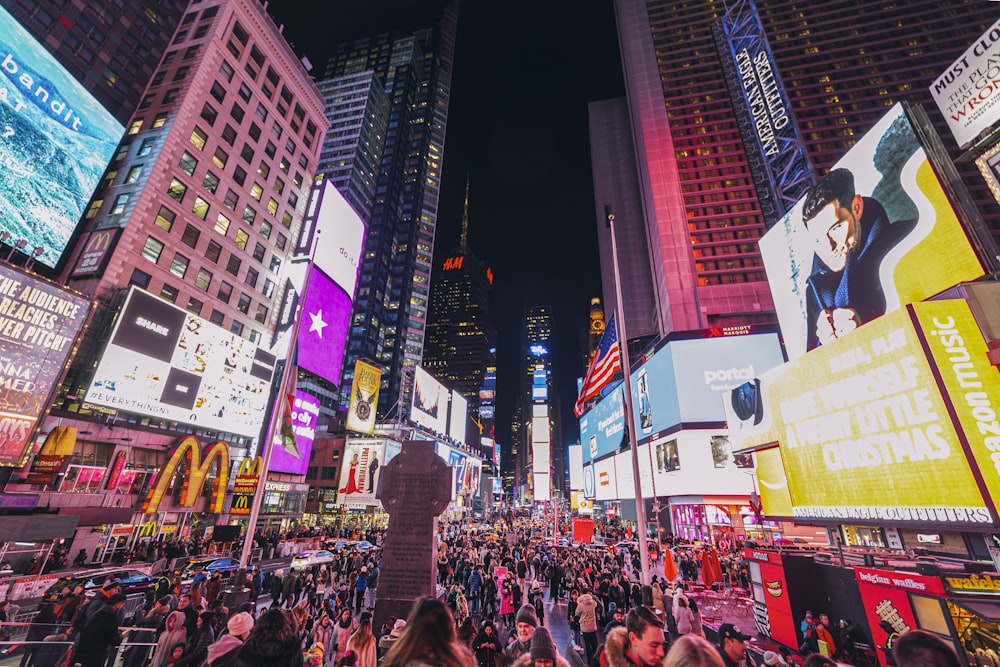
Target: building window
222, 224
151, 249
165, 219
119, 206
256, 191
177, 190
272, 206
237, 112
268, 290
236, 328
171, 95
225, 292
243, 305
244, 92
191, 236
258, 252
261, 314
249, 215
94, 207
209, 113
247, 153
146, 147
198, 138
252, 276
233, 265
281, 241
133, 174
270, 149
200, 208
261, 112
139, 278
188, 163
159, 121
211, 182
240, 175
275, 264
254, 337
213, 252
216, 318
195, 305
242, 237
286, 220
135, 126
229, 134
169, 293
263, 170
179, 266
219, 158
265, 229
231, 200
254, 131
227, 72
204, 280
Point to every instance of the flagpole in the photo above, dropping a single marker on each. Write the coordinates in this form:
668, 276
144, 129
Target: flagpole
640, 509
275, 421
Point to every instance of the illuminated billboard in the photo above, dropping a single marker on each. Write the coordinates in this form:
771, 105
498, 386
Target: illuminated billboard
881, 234
364, 396
602, 429
326, 315
341, 235
363, 461
429, 409
458, 417
541, 440
291, 454
39, 324
56, 142
967, 92
605, 480
168, 363
865, 428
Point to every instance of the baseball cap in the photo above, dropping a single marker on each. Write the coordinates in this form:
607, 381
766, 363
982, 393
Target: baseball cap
730, 631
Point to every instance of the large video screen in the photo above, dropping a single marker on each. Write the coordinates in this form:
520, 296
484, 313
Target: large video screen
165, 362
326, 315
291, 454
341, 236
865, 427
874, 234
430, 402
363, 463
55, 142
459, 417
38, 324
602, 429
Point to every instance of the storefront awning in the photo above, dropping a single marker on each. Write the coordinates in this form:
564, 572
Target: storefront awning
37, 527
97, 516
988, 611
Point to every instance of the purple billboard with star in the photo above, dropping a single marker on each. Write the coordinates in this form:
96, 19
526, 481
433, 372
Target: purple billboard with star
326, 313
292, 449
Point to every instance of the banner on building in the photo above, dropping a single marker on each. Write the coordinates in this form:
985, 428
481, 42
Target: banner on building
245, 485
364, 398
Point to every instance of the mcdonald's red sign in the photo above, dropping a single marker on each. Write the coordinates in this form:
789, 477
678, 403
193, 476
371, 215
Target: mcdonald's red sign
95, 253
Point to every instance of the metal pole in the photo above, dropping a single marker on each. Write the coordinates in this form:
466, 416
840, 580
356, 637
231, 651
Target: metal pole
275, 422
640, 509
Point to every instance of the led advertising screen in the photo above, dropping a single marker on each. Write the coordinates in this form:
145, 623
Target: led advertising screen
602, 429
55, 142
362, 464
165, 362
458, 417
865, 429
429, 409
605, 480
575, 467
881, 233
967, 93
364, 397
326, 315
341, 236
39, 323
291, 455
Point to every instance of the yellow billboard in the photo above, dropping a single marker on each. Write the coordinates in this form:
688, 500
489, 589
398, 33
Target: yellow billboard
364, 398
866, 430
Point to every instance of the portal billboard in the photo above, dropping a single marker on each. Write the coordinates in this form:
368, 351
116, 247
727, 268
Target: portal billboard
165, 362
55, 140
39, 324
891, 424
875, 234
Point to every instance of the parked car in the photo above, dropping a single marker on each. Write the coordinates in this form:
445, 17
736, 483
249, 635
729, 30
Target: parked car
132, 582
363, 545
225, 566
307, 559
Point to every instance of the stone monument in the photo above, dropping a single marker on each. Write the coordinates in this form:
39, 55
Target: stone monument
415, 488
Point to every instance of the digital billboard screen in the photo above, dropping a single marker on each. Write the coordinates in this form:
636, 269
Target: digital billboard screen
55, 142
602, 429
363, 460
865, 428
458, 417
39, 323
165, 362
291, 455
326, 315
429, 409
874, 234
341, 235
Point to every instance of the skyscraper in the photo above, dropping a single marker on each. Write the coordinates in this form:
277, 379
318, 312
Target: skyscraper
390, 308
112, 48
842, 65
461, 340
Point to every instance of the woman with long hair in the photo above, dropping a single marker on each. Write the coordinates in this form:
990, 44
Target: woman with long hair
273, 642
693, 651
428, 639
362, 642
342, 631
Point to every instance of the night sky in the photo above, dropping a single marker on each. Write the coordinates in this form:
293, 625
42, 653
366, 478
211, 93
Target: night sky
523, 75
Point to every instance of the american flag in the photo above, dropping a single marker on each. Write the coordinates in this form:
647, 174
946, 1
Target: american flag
606, 362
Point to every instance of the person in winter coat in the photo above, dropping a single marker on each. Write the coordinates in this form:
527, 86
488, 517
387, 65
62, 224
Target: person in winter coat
387, 641
342, 630
277, 586
684, 618
507, 600
489, 596
542, 648
322, 633
213, 587
373, 575
641, 643
474, 588
136, 656
198, 642
525, 624
223, 652
428, 639
586, 610
362, 642
487, 645
42, 625
288, 589
173, 633
360, 586
100, 633
273, 642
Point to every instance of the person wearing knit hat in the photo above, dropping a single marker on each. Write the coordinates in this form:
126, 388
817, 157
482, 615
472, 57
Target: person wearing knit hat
222, 653
543, 652
524, 623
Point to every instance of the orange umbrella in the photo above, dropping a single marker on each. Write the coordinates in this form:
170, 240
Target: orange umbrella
669, 567
711, 570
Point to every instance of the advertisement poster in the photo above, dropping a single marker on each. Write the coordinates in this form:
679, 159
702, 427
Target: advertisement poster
55, 142
58, 446
430, 402
364, 398
165, 362
326, 314
363, 463
291, 454
39, 323
866, 409
245, 485
885, 596
341, 236
772, 608
874, 234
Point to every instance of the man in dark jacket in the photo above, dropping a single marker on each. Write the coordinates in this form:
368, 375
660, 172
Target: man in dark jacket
100, 633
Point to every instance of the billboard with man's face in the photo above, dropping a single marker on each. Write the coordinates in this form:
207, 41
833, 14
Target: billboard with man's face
874, 234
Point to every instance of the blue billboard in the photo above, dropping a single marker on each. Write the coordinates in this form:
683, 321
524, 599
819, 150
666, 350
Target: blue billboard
55, 142
684, 383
